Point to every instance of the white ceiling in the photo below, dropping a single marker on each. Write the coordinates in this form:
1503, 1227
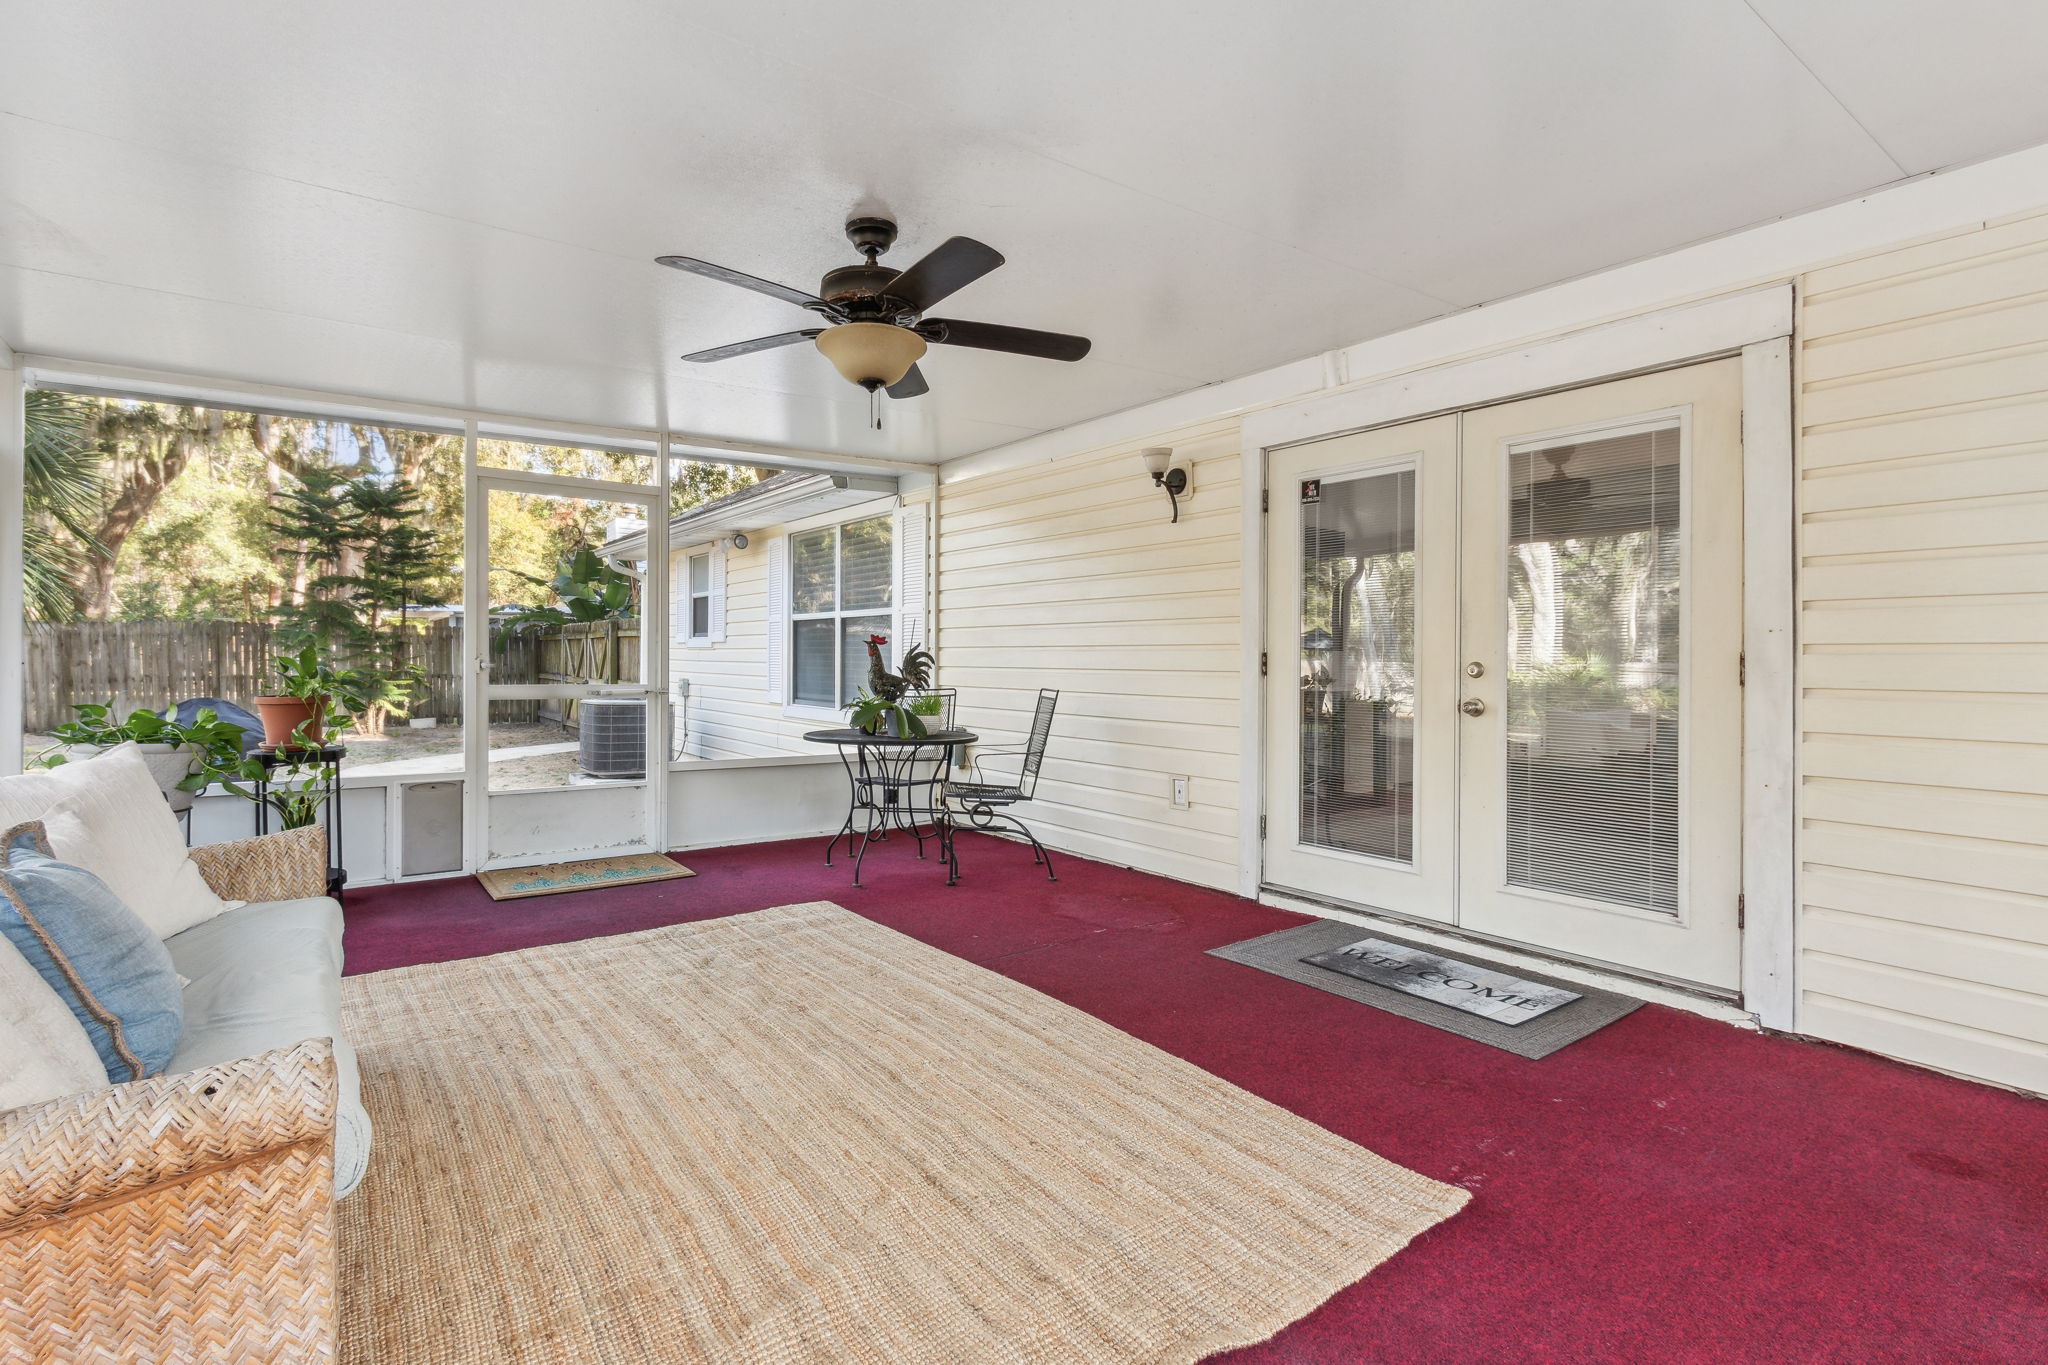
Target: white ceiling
459, 203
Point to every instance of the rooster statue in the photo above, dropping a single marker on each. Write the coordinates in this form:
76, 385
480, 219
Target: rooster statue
891, 687
881, 701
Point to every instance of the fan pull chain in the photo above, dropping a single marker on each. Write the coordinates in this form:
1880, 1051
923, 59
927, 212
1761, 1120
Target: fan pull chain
875, 408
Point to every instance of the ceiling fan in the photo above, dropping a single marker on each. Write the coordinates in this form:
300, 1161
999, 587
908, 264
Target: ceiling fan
875, 325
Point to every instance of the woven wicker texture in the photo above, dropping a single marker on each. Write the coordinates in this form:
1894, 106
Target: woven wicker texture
181, 1218
272, 867
797, 1136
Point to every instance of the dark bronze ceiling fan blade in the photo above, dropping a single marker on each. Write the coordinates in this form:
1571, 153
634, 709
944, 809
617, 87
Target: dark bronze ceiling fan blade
691, 265
991, 336
951, 265
910, 385
749, 347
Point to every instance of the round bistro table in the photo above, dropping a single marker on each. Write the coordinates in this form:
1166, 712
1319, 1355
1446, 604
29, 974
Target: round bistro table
891, 781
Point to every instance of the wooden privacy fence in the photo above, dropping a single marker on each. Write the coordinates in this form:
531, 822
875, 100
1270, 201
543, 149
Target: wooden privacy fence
155, 663
582, 651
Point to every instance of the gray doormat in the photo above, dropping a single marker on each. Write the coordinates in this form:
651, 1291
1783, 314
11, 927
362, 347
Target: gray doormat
1281, 953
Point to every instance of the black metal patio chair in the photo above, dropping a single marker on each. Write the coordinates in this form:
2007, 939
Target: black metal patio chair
985, 804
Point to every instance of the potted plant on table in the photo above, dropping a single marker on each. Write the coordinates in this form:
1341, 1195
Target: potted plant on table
881, 704
295, 792
178, 756
313, 699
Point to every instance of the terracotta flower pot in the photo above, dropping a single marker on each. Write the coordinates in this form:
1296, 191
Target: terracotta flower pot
282, 717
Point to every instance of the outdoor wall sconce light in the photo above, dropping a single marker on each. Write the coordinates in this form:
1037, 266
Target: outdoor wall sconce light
1174, 478
739, 540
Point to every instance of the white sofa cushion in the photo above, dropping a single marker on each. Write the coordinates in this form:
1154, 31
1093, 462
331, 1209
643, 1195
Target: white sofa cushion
44, 1050
269, 975
108, 816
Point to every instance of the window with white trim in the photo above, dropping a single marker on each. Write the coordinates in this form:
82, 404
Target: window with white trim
842, 589
697, 586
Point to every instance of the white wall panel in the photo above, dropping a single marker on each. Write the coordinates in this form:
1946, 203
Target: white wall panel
1070, 575
1923, 414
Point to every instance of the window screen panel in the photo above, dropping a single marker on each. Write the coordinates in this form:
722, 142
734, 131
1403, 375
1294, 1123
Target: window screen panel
867, 564
813, 571
1593, 686
812, 679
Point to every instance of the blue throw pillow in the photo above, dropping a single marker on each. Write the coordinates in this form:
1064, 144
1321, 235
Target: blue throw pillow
95, 952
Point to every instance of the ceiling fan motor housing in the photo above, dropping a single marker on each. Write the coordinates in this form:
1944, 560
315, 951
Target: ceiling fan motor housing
854, 284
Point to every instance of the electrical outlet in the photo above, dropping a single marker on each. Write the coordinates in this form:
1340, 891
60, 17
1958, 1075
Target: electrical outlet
1180, 793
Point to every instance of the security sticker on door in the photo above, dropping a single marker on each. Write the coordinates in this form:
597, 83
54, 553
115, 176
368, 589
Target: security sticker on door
1311, 490
1475, 990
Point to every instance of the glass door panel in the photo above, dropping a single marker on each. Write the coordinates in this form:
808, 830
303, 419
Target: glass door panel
1357, 673
1360, 647
1601, 608
1593, 626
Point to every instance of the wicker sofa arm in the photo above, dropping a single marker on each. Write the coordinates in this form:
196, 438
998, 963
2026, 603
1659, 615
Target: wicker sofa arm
271, 867
184, 1217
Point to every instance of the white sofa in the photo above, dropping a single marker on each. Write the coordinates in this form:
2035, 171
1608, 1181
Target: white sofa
268, 975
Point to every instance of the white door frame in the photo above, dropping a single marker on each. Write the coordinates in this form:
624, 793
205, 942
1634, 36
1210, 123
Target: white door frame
1756, 324
476, 589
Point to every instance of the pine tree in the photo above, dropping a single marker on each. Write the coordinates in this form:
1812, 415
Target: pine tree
364, 549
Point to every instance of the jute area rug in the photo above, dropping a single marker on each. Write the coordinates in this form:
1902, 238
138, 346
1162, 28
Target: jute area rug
797, 1136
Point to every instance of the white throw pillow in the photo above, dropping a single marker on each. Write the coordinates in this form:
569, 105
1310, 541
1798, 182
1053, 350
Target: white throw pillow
108, 816
44, 1050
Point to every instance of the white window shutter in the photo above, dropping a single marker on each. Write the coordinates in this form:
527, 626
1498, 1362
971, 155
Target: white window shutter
910, 576
679, 598
718, 593
778, 619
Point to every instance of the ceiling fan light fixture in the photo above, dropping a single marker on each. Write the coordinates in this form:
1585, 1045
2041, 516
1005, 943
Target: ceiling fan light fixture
871, 354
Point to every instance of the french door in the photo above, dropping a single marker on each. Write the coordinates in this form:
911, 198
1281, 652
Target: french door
1503, 671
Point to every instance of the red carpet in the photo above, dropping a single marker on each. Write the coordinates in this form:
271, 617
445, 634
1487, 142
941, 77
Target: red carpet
1669, 1189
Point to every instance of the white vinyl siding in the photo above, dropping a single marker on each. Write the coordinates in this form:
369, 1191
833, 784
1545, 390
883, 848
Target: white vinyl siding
1923, 536
1069, 576
738, 690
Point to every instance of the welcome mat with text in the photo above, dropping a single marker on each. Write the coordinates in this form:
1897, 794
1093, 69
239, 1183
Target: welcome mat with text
1506, 1007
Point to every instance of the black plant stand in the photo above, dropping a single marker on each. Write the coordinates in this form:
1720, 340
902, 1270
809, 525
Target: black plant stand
328, 758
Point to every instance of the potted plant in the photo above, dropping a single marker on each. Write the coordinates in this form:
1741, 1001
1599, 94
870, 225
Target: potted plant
313, 699
178, 756
295, 792
882, 702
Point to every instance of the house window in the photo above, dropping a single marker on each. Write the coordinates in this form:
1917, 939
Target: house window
699, 582
842, 589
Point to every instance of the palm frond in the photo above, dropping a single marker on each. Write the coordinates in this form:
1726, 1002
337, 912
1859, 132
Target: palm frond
64, 474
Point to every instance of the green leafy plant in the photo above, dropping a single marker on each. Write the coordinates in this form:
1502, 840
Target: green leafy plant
871, 713
929, 704
297, 794
586, 588
64, 474
295, 791
212, 740
309, 675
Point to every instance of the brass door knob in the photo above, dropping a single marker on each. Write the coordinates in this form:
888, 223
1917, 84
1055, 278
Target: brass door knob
1472, 706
